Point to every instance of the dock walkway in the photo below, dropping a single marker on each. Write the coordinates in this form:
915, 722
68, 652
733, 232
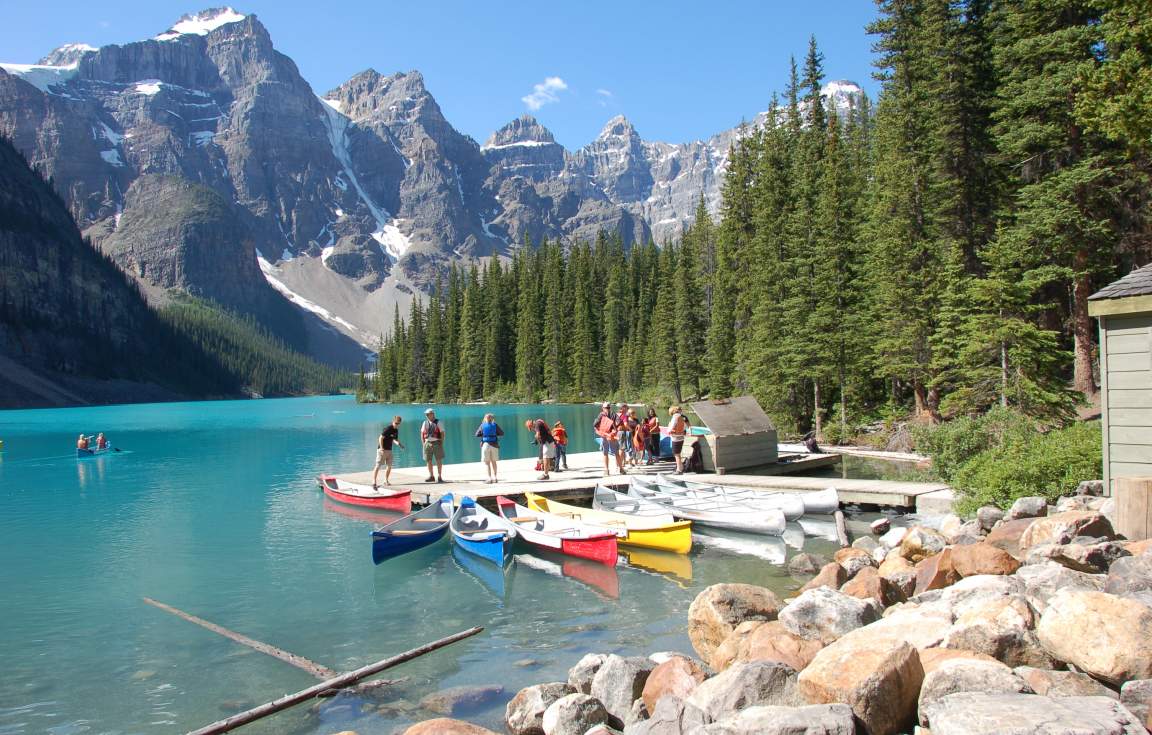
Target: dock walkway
518, 476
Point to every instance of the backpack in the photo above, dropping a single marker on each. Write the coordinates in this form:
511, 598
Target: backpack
695, 461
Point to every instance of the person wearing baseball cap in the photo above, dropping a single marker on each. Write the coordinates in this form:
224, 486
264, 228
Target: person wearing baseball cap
432, 434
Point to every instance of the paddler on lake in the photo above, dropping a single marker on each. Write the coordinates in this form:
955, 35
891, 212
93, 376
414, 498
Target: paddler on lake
101, 442
389, 435
82, 442
432, 435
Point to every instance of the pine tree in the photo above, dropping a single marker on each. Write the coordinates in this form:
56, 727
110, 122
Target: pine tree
530, 329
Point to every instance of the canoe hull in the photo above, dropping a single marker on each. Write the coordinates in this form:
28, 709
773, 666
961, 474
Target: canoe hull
387, 546
497, 550
749, 520
401, 502
670, 535
568, 536
495, 545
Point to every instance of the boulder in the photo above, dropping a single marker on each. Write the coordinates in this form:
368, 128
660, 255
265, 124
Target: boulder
677, 677
1094, 558
921, 543
831, 575
574, 714
853, 560
804, 564
602, 730
672, 716
765, 642
746, 685
936, 572
933, 658
1048, 683
878, 680
950, 526
446, 726
880, 526
661, 656
620, 682
880, 554
1042, 581
716, 612
814, 719
1090, 487
524, 715
1029, 507
1006, 535
1063, 527
636, 715
970, 590
971, 713
1074, 502
960, 675
1103, 635
1130, 574
869, 585
892, 538
1000, 627
462, 699
1137, 548
894, 563
580, 676
972, 529
919, 626
987, 516
825, 614
866, 544
1136, 695
974, 559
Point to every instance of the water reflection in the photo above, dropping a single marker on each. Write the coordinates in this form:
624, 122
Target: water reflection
677, 567
492, 577
771, 549
603, 579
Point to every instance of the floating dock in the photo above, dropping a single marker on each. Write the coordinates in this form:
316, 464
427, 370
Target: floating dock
586, 470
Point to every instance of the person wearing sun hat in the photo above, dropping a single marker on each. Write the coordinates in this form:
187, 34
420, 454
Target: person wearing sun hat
432, 435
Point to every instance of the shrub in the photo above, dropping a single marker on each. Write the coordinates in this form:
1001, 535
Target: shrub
952, 444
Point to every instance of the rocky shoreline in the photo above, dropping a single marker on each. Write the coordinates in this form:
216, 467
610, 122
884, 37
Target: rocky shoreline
1034, 620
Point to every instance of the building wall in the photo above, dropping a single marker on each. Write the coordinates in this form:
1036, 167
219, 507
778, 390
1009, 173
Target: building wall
1126, 377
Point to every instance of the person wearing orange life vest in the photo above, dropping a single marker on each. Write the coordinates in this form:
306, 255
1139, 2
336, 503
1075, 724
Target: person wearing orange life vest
677, 429
560, 434
605, 428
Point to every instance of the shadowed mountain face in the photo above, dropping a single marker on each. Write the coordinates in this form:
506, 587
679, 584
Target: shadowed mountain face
201, 160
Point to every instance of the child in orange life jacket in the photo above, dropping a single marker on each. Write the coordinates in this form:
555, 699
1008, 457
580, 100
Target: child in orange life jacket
560, 434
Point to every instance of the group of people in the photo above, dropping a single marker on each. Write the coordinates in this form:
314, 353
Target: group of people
85, 442
622, 435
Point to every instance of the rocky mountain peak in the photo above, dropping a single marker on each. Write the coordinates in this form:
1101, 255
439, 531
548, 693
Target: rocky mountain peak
66, 55
524, 130
618, 127
202, 23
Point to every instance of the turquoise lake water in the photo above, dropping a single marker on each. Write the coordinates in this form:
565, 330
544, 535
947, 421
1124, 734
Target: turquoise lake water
213, 508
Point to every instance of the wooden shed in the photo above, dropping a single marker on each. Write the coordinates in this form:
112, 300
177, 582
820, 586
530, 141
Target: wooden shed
1124, 309
740, 434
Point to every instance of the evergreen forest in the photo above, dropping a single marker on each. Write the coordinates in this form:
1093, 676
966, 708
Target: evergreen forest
926, 255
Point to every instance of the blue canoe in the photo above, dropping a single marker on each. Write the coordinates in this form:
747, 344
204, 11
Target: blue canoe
482, 533
414, 531
87, 453
495, 579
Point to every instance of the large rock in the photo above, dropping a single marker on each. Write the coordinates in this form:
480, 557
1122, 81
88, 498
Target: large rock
446, 726
1061, 528
524, 715
974, 559
716, 612
580, 676
814, 719
880, 526
1090, 558
1006, 535
746, 685
824, 614
832, 575
920, 543
574, 714
1062, 683
1136, 548
950, 527
1002, 628
672, 716
1090, 487
988, 516
936, 572
765, 642
1042, 581
1130, 574
961, 675
920, 626
1103, 635
892, 538
677, 677
1137, 697
933, 658
1027, 507
620, 682
853, 560
878, 680
462, 699
869, 585
971, 713
804, 564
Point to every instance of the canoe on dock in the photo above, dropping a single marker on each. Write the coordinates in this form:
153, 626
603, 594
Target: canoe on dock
788, 503
714, 512
567, 536
655, 532
482, 533
396, 499
414, 531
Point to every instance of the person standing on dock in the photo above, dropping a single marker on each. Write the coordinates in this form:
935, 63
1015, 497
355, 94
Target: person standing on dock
432, 434
677, 429
388, 436
547, 443
605, 428
560, 434
623, 435
490, 433
652, 422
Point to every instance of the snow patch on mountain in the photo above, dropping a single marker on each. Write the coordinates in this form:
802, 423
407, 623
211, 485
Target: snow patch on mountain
42, 76
270, 272
393, 242
202, 23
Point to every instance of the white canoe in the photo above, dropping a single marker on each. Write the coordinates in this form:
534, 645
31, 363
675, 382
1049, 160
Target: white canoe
789, 503
714, 512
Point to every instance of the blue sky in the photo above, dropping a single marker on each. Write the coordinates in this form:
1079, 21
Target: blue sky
678, 70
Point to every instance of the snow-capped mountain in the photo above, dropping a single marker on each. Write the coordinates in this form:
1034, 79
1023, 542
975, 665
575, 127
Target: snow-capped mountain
201, 160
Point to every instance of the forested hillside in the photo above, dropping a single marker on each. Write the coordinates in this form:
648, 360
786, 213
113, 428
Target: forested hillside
930, 256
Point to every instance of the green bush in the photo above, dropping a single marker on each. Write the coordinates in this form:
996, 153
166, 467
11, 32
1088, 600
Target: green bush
1049, 464
951, 445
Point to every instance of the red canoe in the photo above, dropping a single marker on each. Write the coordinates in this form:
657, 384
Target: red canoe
565, 535
384, 498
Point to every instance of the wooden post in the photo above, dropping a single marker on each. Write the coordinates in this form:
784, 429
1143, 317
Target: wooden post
338, 682
1134, 507
841, 529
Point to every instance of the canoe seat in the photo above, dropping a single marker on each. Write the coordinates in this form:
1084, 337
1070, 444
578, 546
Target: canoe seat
403, 532
429, 520
522, 519
470, 531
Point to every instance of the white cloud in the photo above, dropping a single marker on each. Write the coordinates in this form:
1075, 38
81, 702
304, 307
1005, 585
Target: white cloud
544, 93
604, 92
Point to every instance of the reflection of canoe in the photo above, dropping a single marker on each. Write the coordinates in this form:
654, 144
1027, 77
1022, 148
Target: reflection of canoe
89, 453
661, 562
565, 535
413, 531
819, 528
482, 532
789, 503
713, 512
771, 549
375, 517
363, 495
794, 535
654, 532
599, 577
494, 578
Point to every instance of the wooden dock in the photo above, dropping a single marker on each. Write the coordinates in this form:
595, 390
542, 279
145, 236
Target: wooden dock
518, 476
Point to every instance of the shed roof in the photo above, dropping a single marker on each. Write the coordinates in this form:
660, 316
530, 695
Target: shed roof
733, 416
1136, 283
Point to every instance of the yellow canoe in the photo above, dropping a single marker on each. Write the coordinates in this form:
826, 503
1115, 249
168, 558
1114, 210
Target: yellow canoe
651, 532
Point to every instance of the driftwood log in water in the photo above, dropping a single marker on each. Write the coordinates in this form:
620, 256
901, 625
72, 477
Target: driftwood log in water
841, 529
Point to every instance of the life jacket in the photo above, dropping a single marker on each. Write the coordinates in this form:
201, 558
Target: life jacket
431, 431
488, 433
605, 423
561, 435
678, 425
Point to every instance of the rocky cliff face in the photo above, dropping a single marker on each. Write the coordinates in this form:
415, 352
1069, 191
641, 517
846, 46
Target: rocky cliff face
342, 203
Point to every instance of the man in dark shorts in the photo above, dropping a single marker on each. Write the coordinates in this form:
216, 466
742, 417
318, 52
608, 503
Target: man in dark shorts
677, 428
389, 436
